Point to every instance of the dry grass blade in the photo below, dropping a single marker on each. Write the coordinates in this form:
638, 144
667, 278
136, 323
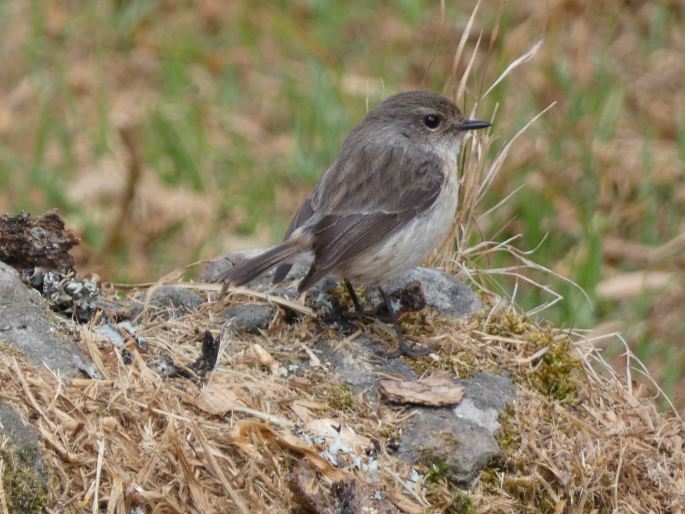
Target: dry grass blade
669, 248
277, 300
515, 64
435, 46
631, 284
467, 72
197, 492
460, 49
171, 280
477, 181
98, 471
209, 455
497, 162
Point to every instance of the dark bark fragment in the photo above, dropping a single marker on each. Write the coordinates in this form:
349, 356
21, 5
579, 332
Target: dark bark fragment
27, 242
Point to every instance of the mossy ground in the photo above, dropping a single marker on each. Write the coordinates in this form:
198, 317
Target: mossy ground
557, 370
574, 439
339, 397
25, 480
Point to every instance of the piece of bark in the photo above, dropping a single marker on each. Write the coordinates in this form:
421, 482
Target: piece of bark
437, 390
27, 242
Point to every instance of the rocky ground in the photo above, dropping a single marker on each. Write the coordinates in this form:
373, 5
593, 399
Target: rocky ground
172, 397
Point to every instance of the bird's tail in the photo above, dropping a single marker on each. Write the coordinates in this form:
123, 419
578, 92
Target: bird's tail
249, 269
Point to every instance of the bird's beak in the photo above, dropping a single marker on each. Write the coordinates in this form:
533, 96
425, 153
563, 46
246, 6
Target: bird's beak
473, 125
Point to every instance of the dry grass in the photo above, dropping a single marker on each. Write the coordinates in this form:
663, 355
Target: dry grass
577, 438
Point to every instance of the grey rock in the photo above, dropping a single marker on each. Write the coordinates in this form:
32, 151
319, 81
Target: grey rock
112, 334
181, 299
20, 434
218, 266
115, 334
26, 474
164, 366
289, 293
442, 292
249, 317
461, 438
436, 436
486, 396
27, 324
359, 361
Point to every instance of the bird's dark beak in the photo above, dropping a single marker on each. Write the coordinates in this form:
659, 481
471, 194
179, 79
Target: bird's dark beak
474, 125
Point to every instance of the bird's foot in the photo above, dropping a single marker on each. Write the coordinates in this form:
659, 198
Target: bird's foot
409, 350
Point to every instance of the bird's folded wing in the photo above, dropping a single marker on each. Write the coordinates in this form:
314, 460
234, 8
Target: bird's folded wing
339, 237
303, 214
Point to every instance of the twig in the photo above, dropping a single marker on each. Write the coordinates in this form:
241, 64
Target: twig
133, 173
98, 471
205, 286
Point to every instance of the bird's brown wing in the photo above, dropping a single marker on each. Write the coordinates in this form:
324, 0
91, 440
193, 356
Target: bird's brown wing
304, 212
374, 206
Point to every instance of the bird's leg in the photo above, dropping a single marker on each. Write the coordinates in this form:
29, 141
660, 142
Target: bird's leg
355, 299
359, 311
404, 347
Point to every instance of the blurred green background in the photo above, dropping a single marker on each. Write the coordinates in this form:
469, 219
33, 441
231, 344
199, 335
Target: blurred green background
168, 131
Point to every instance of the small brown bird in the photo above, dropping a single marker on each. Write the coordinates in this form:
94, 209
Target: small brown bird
383, 205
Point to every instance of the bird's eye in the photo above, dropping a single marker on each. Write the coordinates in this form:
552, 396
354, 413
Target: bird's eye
432, 121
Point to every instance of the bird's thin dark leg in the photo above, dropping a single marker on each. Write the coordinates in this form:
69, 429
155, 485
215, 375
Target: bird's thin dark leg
355, 299
404, 347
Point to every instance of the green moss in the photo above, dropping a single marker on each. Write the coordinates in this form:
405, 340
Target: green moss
511, 323
343, 295
339, 397
389, 431
525, 490
25, 480
462, 503
514, 472
508, 437
463, 362
437, 469
558, 374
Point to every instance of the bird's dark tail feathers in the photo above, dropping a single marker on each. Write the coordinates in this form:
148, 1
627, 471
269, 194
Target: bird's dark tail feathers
245, 271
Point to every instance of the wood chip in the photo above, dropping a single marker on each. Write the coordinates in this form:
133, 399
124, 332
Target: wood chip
217, 399
437, 390
264, 358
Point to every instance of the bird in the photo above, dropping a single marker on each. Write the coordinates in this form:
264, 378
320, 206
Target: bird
383, 205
